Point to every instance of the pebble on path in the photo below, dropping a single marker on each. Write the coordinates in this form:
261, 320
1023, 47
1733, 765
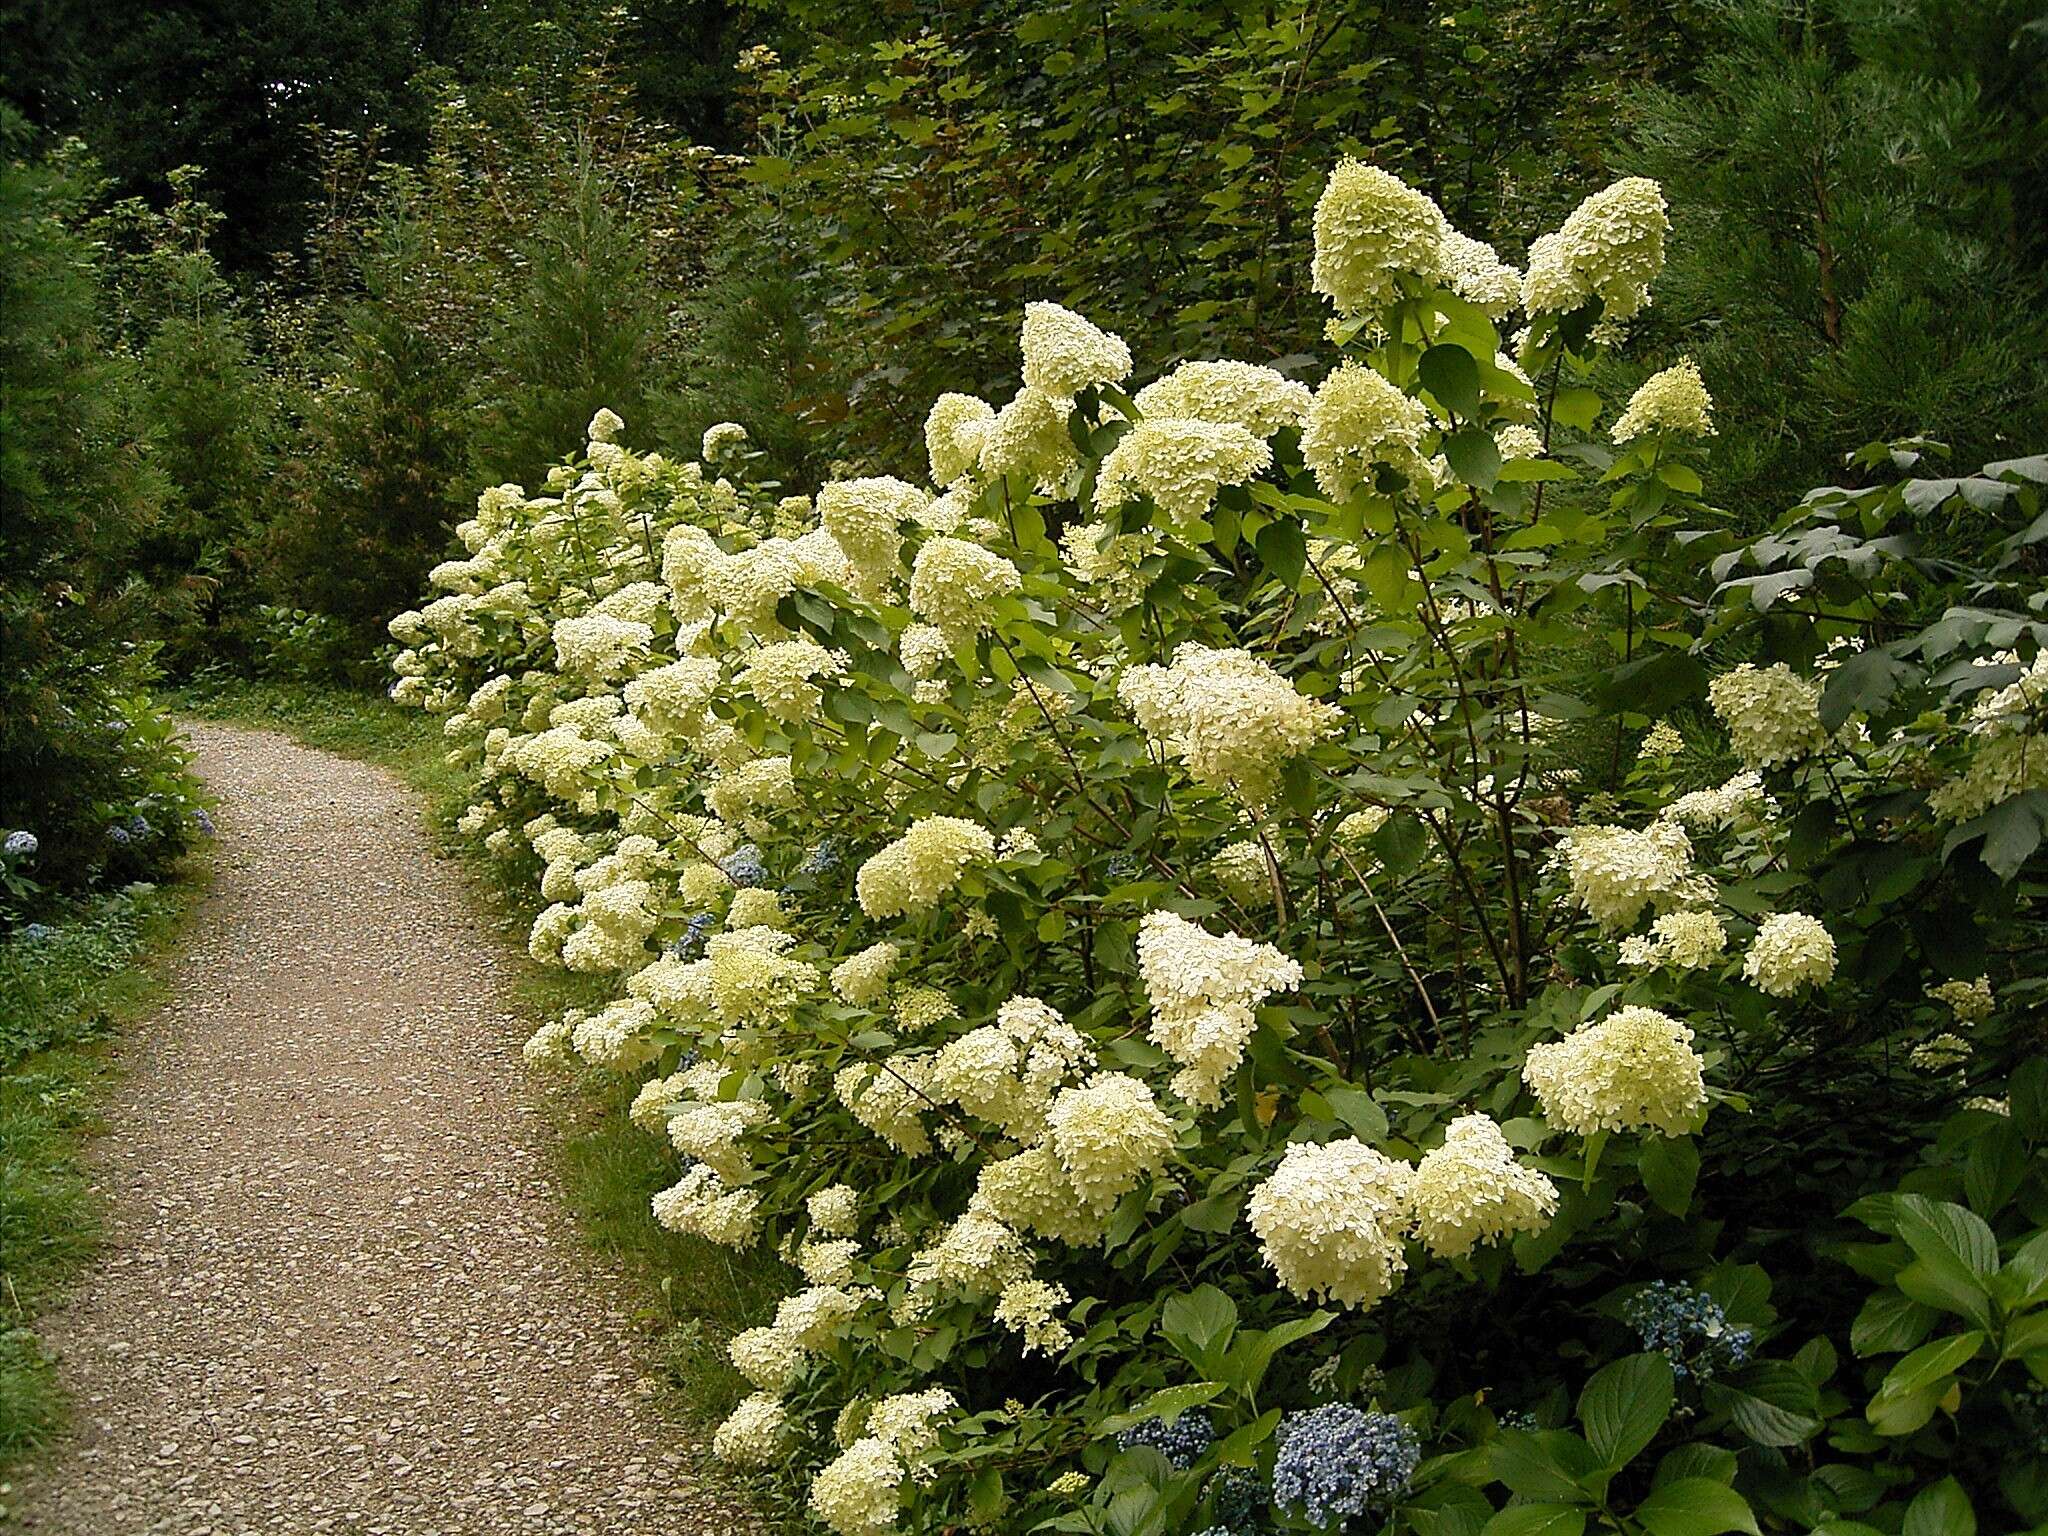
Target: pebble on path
339, 1294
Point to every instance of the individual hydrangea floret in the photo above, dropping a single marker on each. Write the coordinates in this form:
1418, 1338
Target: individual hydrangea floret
1338, 1462
1333, 1221
1635, 1070
1356, 421
1065, 354
1371, 227
1791, 950
1687, 1327
1471, 1191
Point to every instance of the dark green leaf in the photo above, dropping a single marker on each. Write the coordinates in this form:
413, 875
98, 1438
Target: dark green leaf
1624, 1406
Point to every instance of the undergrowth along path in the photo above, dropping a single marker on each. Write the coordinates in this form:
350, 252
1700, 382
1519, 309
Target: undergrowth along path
338, 1293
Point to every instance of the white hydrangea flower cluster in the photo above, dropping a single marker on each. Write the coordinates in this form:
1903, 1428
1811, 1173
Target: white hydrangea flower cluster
1674, 401
1615, 872
1029, 441
1261, 400
859, 1494
1180, 462
1065, 354
952, 583
1473, 270
1231, 719
1635, 1070
780, 676
1371, 227
1772, 715
1204, 988
599, 646
1685, 941
1739, 802
862, 980
1611, 247
1791, 951
1333, 1221
701, 1204
1471, 1190
955, 432
755, 1433
1031, 1308
1108, 1134
865, 518
908, 877
889, 1099
1356, 421
834, 1210
1971, 1001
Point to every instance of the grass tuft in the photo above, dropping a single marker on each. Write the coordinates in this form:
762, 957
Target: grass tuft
62, 999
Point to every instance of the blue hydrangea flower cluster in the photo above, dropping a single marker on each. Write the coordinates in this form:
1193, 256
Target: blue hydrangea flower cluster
138, 825
743, 866
1234, 1495
1338, 1461
691, 944
35, 933
822, 859
1120, 866
119, 835
22, 845
203, 822
1687, 1327
1181, 1439
2030, 1409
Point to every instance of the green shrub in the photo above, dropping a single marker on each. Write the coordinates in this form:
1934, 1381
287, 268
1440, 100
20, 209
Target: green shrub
1141, 927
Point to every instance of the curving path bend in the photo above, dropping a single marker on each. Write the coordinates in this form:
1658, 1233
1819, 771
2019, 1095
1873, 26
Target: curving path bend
338, 1293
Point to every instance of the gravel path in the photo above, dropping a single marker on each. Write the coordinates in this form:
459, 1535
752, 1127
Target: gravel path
339, 1295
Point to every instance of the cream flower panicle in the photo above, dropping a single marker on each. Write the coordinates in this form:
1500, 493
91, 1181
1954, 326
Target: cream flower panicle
1231, 719
1612, 247
1180, 462
908, 877
1471, 1190
1108, 1135
1674, 401
1261, 400
1333, 1221
1634, 1070
1790, 951
1369, 228
955, 430
1356, 421
1203, 988
1065, 354
1772, 715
